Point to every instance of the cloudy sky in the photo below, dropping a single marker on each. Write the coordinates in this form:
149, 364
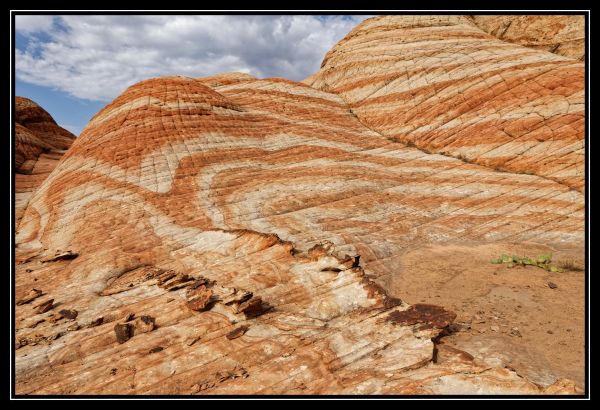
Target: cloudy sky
74, 65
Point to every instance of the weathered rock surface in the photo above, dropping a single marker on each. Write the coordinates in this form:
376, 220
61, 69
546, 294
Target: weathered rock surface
443, 84
39, 144
217, 225
562, 35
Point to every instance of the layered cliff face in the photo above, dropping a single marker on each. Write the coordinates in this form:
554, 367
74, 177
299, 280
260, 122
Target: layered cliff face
229, 235
39, 144
446, 86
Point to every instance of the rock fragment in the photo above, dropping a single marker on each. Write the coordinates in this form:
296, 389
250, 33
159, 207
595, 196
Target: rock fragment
70, 314
237, 332
31, 295
123, 332
426, 315
171, 280
73, 327
253, 307
230, 296
44, 306
198, 298
143, 324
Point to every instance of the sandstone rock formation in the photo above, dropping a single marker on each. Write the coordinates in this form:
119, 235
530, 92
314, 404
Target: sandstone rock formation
444, 85
39, 144
230, 235
559, 34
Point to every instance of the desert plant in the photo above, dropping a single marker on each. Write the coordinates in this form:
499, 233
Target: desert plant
542, 261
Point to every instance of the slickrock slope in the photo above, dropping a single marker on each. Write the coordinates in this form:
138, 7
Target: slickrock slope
39, 144
446, 86
562, 35
199, 240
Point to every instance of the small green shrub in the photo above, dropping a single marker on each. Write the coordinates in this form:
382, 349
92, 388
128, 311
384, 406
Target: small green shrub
542, 261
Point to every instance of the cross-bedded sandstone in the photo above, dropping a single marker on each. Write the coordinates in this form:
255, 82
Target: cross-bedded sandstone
232, 212
39, 144
443, 84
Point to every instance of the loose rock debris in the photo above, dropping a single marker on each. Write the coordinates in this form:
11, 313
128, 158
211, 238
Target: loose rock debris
44, 306
238, 332
198, 298
70, 314
31, 295
123, 331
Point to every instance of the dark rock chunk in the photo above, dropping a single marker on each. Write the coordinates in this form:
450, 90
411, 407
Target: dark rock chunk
70, 314
238, 332
198, 298
253, 307
147, 319
123, 331
44, 306
429, 315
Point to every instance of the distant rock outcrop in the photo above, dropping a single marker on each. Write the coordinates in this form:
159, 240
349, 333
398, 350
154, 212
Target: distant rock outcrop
231, 235
39, 144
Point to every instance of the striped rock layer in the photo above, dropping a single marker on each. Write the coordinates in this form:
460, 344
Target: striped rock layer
199, 240
562, 35
445, 85
39, 144
202, 236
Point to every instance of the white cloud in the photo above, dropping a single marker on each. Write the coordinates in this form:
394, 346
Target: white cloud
97, 57
30, 23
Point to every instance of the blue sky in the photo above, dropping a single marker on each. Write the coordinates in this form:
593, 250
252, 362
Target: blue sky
74, 65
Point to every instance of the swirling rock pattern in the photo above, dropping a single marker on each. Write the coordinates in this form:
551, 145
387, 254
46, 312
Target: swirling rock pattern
213, 229
39, 144
446, 86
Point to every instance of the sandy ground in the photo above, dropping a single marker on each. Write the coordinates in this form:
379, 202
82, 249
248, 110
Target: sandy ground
506, 316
